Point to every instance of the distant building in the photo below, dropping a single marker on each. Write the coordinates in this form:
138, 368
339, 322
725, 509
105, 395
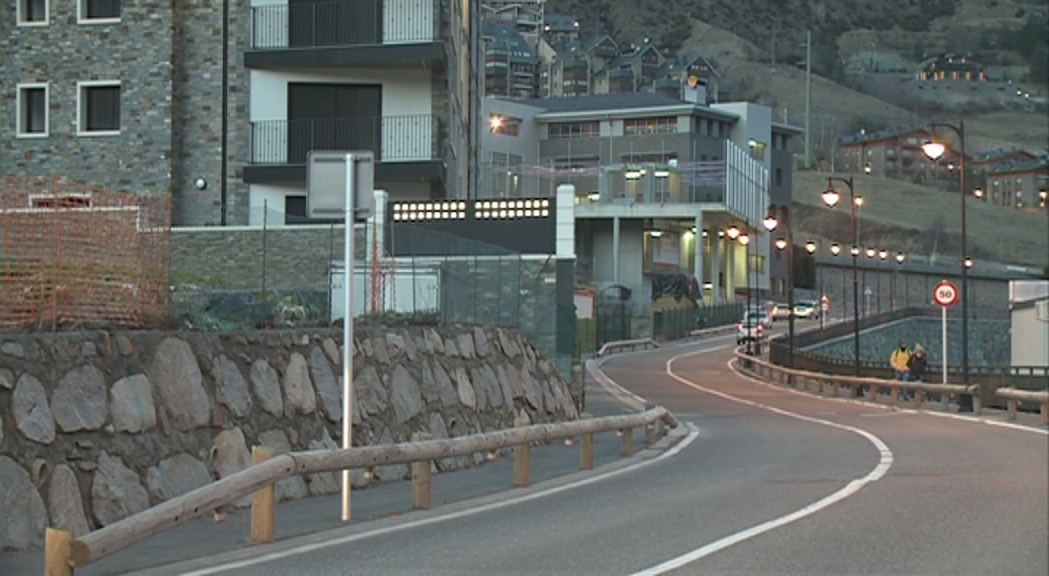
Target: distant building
896, 154
524, 15
953, 67
567, 67
631, 71
510, 63
985, 162
560, 28
1022, 184
688, 76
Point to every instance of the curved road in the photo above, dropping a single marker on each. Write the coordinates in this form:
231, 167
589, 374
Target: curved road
764, 481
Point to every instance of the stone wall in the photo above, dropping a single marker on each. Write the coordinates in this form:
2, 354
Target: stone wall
97, 426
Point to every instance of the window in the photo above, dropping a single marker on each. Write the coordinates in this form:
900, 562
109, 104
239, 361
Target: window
32, 12
32, 110
574, 130
98, 10
660, 125
98, 108
779, 176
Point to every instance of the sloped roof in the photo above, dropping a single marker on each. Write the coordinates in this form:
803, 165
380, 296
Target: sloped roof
506, 37
1015, 167
593, 102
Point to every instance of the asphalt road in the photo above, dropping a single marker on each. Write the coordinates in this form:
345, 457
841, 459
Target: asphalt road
759, 480
762, 480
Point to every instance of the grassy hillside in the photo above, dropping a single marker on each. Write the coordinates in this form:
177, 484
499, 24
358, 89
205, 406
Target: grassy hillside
900, 216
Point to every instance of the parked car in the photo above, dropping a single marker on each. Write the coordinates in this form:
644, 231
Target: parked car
780, 311
809, 309
754, 326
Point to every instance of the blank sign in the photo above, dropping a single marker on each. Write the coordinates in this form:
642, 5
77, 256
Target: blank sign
326, 184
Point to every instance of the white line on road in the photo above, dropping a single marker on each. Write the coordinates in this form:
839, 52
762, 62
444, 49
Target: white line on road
884, 463
693, 433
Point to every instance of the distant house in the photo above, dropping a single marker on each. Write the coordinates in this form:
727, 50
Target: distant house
567, 66
629, 72
560, 28
688, 76
1023, 183
510, 63
525, 15
985, 162
953, 67
896, 154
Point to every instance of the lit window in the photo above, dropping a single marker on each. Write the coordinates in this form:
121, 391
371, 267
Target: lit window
32, 12
98, 10
32, 110
98, 107
660, 125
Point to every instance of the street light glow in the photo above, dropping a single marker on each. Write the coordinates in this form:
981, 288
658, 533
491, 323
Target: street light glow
900, 257
855, 250
781, 243
810, 246
835, 249
830, 195
733, 232
933, 150
495, 122
883, 254
870, 252
744, 239
770, 221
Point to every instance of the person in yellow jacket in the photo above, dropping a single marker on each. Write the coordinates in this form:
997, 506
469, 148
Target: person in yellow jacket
899, 358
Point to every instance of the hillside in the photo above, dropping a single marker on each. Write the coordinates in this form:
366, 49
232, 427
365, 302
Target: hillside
930, 224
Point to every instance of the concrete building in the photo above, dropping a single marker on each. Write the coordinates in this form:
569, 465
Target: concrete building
658, 183
161, 114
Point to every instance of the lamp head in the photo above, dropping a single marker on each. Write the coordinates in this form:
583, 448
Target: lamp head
870, 252
810, 246
867, 168
900, 257
933, 150
733, 232
744, 239
855, 250
830, 195
781, 243
770, 222
883, 254
835, 249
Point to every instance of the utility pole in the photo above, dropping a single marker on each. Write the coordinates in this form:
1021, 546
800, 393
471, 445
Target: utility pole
808, 99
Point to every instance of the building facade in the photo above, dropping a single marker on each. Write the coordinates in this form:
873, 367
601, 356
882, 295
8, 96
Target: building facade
658, 183
896, 154
1022, 184
145, 96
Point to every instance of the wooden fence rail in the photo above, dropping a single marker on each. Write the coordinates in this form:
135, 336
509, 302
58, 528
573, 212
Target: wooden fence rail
63, 554
1013, 397
805, 379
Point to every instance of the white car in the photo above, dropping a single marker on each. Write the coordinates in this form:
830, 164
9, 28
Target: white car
809, 309
754, 326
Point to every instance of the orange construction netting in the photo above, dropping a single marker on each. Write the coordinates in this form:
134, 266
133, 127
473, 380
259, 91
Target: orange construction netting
73, 255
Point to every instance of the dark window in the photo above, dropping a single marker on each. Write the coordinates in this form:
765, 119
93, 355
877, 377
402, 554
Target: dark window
99, 9
333, 117
32, 11
334, 23
779, 176
100, 109
32, 116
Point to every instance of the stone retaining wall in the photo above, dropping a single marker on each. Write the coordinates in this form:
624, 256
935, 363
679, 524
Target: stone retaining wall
97, 426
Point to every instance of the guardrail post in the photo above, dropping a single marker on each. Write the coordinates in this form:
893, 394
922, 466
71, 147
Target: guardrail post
837, 389
262, 503
522, 458
586, 448
421, 485
56, 552
1011, 403
919, 397
628, 442
894, 395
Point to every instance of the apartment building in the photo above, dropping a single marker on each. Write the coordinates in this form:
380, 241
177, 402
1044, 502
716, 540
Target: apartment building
896, 154
145, 96
1021, 184
510, 63
657, 181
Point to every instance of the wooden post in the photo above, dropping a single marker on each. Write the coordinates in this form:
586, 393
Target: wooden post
421, 485
628, 442
1045, 411
522, 459
894, 395
1011, 402
919, 396
650, 434
56, 552
263, 505
586, 448
837, 389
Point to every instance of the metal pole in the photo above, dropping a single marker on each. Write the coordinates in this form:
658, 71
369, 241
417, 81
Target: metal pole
943, 337
265, 219
347, 333
855, 283
965, 401
790, 285
819, 274
224, 124
808, 99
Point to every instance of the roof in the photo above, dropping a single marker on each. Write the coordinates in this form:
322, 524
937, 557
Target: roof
1000, 154
878, 136
560, 23
506, 37
1031, 165
684, 61
619, 103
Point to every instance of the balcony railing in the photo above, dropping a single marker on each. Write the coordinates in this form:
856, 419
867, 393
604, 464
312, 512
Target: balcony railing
392, 138
345, 23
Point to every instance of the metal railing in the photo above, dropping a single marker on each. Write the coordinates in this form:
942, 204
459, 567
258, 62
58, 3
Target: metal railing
62, 551
332, 24
393, 138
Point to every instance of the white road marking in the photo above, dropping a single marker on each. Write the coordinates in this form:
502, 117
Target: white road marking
884, 463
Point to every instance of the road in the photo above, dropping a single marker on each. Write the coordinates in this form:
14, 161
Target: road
763, 481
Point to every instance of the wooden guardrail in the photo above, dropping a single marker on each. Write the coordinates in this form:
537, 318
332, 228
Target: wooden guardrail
805, 379
62, 553
620, 345
1014, 396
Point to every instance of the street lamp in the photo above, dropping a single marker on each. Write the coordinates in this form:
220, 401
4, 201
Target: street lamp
811, 246
899, 260
744, 239
771, 222
934, 150
830, 198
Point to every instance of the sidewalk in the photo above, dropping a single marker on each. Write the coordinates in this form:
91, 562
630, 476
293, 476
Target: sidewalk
203, 536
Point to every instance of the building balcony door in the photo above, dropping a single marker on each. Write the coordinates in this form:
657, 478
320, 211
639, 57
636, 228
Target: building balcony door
318, 23
333, 117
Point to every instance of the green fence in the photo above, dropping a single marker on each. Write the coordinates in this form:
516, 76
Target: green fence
679, 323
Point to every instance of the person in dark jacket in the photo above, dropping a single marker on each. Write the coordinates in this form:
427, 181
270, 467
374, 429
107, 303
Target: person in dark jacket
917, 364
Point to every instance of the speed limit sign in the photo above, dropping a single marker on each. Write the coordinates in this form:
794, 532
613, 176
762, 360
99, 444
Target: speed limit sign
945, 294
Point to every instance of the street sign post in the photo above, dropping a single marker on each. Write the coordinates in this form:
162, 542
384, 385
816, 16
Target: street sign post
341, 184
945, 295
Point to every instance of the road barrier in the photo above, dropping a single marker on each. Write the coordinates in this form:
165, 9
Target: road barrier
620, 345
805, 380
63, 553
1013, 397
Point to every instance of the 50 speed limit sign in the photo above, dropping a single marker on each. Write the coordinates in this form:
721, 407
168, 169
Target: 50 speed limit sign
945, 294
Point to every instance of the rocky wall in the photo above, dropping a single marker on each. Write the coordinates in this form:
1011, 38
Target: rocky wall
97, 426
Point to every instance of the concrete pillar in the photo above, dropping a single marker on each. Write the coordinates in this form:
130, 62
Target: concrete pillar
615, 249
698, 252
715, 267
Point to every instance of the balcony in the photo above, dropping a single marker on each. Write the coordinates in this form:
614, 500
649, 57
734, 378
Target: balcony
405, 147
380, 33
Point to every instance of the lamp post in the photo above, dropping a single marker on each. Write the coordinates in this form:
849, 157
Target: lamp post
771, 222
866, 287
899, 261
934, 150
744, 239
830, 198
811, 247
835, 249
